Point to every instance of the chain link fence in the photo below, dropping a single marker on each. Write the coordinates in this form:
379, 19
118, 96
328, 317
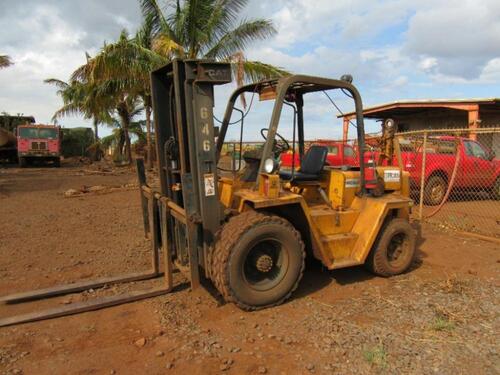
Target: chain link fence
455, 177
454, 173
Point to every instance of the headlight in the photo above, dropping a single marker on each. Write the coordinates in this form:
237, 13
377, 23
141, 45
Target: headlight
389, 124
270, 165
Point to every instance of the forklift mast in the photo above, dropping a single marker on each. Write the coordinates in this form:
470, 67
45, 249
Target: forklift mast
183, 100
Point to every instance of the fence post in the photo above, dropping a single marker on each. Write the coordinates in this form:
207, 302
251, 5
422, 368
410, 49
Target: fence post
422, 178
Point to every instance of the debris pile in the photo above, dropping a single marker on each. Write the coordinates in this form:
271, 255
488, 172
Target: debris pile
98, 189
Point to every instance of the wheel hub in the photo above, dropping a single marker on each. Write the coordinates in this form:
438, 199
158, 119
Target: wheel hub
264, 263
437, 192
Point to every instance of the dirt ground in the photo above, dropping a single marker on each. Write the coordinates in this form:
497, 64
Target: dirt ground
439, 318
468, 214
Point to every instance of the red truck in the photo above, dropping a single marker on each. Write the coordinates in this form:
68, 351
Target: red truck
38, 143
478, 168
338, 154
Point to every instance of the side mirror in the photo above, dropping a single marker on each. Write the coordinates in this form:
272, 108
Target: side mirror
491, 155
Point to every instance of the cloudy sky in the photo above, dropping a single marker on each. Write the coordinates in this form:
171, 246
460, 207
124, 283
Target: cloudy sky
395, 49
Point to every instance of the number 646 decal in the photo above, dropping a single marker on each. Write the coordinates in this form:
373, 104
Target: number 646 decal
206, 145
204, 113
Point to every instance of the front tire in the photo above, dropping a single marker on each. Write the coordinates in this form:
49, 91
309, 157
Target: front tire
394, 251
23, 163
258, 260
435, 190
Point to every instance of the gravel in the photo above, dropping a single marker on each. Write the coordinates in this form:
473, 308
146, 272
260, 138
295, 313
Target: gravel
420, 326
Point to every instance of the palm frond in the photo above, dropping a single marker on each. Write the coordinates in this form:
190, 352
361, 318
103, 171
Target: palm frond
239, 38
83, 72
166, 47
124, 59
108, 140
60, 84
224, 15
258, 71
144, 36
70, 109
152, 11
5, 61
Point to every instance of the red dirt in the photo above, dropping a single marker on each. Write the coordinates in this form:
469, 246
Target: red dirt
46, 239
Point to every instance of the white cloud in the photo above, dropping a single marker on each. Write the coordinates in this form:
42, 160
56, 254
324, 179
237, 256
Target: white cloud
427, 64
333, 21
48, 42
455, 38
491, 72
53, 51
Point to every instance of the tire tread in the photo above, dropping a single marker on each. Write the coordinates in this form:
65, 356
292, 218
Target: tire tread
226, 239
376, 261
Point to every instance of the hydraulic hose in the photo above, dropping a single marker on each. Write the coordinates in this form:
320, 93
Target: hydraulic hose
450, 186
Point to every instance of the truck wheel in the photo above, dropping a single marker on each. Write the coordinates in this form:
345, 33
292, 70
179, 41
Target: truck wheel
57, 163
394, 249
435, 190
22, 162
495, 190
258, 260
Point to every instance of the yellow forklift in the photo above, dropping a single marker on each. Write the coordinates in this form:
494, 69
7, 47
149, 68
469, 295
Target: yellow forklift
248, 232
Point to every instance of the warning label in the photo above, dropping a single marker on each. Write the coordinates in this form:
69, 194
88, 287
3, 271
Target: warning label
351, 182
209, 184
392, 175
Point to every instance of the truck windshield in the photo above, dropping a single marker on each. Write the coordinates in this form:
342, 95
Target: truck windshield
44, 133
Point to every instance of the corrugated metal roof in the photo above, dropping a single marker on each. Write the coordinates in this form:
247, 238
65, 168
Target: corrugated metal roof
423, 102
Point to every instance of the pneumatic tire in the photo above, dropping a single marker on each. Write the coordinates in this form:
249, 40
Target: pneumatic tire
394, 249
23, 163
435, 190
258, 260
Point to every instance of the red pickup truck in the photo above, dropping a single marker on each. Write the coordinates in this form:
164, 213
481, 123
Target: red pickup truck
478, 168
338, 154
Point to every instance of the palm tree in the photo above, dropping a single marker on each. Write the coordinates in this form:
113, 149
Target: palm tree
127, 108
82, 98
5, 61
198, 28
124, 68
210, 29
117, 137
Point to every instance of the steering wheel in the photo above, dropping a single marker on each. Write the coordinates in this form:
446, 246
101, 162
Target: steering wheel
281, 145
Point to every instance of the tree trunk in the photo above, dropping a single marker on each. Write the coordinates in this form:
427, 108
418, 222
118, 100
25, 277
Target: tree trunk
96, 126
124, 114
128, 148
148, 138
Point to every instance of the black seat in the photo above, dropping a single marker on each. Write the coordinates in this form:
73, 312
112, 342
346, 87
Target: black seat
311, 167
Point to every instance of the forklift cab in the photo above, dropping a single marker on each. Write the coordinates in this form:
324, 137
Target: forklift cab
291, 91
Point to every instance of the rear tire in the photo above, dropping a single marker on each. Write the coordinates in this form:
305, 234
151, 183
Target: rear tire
258, 260
394, 250
23, 163
435, 190
57, 163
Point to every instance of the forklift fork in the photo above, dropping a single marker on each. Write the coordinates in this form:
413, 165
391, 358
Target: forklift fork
155, 214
